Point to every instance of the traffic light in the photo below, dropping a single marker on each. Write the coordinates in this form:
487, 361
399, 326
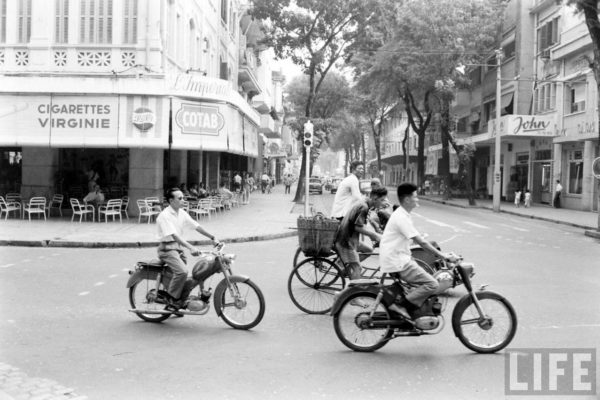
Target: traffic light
308, 134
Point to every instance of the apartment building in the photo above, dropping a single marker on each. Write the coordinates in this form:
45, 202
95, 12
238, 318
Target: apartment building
147, 93
548, 126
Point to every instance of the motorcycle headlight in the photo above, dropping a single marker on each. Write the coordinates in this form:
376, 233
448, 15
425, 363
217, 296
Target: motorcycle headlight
229, 257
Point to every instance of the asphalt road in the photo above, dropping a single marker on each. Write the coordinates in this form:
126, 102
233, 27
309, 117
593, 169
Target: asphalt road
64, 317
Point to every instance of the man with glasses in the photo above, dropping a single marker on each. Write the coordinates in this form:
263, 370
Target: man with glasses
348, 191
171, 223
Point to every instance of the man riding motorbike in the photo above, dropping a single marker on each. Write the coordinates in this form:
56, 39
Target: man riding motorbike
171, 223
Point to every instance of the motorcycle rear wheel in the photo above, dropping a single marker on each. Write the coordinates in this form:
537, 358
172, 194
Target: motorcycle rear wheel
142, 296
245, 311
313, 284
487, 335
347, 324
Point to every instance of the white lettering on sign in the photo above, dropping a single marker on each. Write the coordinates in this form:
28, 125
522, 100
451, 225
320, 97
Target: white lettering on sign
199, 119
531, 124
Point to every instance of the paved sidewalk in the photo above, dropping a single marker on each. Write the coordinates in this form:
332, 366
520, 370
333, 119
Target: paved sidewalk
268, 216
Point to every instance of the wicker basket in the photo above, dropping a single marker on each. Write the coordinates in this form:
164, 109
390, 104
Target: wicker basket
316, 235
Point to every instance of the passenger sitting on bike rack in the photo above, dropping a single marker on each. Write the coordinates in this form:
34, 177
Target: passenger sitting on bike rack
395, 254
171, 223
379, 216
354, 223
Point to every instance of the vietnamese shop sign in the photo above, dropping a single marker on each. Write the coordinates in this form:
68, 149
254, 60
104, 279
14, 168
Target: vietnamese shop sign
198, 119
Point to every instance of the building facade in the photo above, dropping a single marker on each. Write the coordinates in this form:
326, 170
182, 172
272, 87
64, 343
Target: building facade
148, 94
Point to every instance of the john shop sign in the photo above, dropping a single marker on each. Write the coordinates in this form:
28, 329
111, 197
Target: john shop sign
198, 119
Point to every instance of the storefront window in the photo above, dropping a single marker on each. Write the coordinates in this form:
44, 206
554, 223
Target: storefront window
10, 170
575, 172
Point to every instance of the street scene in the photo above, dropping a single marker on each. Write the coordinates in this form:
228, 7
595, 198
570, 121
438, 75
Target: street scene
299, 199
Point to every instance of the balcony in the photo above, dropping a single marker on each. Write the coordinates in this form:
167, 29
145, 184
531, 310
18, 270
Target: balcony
267, 127
247, 73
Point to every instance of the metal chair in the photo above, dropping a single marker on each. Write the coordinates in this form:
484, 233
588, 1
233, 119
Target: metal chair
56, 202
9, 207
145, 210
197, 210
82, 210
36, 205
125, 205
112, 207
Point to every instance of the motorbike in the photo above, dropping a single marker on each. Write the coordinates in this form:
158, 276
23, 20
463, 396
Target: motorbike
238, 301
482, 320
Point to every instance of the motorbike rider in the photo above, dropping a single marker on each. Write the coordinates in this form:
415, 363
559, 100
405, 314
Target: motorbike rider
353, 224
395, 254
171, 223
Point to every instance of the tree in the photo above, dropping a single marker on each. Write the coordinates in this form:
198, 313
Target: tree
315, 35
420, 49
590, 11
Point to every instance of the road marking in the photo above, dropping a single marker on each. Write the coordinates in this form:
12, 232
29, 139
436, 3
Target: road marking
98, 283
449, 239
84, 293
6, 265
516, 228
444, 225
567, 326
41, 257
113, 276
26, 260
476, 225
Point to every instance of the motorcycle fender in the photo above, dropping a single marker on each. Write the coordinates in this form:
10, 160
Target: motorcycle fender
139, 275
222, 287
350, 291
465, 301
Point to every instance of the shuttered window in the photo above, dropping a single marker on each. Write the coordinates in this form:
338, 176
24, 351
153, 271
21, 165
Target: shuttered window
130, 13
61, 21
96, 21
3, 21
24, 20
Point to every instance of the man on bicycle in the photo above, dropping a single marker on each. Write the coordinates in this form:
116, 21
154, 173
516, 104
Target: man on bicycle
395, 255
354, 223
171, 223
348, 191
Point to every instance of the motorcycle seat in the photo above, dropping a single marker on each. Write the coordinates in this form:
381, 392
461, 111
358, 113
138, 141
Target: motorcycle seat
152, 264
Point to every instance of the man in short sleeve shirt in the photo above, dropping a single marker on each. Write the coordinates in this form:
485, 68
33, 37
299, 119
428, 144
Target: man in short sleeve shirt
171, 223
395, 254
348, 191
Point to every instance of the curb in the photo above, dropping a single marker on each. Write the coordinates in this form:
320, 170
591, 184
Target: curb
447, 203
593, 233
135, 245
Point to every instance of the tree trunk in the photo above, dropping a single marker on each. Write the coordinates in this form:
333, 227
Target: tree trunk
444, 167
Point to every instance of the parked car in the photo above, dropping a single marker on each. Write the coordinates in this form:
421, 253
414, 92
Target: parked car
334, 185
365, 186
315, 185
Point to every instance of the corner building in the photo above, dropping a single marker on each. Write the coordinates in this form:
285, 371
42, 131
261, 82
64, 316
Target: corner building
149, 94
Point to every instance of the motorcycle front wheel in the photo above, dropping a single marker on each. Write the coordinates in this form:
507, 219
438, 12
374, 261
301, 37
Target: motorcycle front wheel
350, 323
241, 306
143, 295
491, 333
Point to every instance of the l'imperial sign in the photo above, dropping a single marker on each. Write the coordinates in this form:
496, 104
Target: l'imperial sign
199, 119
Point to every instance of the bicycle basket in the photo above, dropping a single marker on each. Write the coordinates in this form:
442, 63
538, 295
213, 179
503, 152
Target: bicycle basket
316, 235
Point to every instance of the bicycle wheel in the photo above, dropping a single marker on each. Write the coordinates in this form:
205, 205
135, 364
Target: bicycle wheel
242, 305
491, 333
351, 323
313, 283
143, 296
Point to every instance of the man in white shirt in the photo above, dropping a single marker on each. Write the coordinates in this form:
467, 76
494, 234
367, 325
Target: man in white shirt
348, 191
171, 223
237, 182
395, 255
557, 194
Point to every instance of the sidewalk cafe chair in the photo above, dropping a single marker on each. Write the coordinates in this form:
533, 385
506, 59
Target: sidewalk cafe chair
112, 208
207, 205
198, 211
82, 210
36, 205
125, 205
216, 202
56, 202
13, 198
146, 210
235, 200
9, 207
154, 202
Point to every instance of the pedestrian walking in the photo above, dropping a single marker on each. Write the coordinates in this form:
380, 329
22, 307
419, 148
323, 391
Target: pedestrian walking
527, 198
518, 198
557, 194
287, 181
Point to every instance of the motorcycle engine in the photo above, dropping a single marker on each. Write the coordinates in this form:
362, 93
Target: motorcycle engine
194, 303
427, 323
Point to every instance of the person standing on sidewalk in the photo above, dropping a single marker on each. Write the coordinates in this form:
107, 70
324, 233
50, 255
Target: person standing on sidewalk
557, 194
171, 223
287, 181
348, 191
237, 182
527, 198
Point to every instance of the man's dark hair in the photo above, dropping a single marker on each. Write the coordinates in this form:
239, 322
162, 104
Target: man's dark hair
405, 190
379, 192
169, 194
355, 164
